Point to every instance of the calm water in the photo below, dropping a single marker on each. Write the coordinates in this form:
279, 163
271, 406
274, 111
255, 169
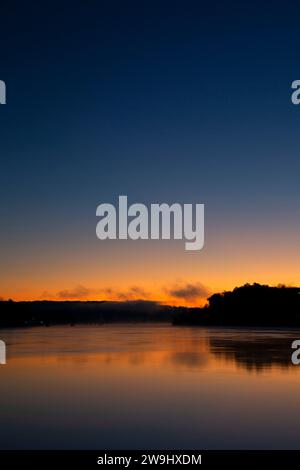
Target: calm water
149, 386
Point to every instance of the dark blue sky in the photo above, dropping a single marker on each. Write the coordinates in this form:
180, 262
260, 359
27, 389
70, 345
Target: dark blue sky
162, 101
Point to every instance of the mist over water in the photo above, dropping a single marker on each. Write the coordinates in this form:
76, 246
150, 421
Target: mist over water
149, 386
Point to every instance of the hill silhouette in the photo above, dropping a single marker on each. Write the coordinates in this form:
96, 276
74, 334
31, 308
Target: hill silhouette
14, 314
248, 305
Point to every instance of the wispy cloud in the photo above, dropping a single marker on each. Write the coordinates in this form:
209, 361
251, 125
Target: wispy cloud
186, 292
134, 292
81, 292
189, 292
78, 292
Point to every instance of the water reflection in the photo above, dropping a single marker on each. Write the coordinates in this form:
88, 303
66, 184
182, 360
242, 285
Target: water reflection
255, 350
149, 386
251, 349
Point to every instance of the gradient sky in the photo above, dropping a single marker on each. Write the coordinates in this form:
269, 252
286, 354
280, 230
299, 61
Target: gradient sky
164, 102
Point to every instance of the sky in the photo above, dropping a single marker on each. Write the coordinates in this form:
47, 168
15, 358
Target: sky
162, 101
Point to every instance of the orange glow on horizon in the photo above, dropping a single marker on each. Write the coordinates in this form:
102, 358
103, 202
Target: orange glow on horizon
161, 272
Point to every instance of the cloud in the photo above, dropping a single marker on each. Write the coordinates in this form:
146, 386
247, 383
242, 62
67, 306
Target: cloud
81, 292
78, 292
189, 291
133, 292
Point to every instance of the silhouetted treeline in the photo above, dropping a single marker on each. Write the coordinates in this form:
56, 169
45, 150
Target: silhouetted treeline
13, 314
251, 305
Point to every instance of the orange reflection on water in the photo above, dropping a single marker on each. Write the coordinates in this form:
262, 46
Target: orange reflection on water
148, 386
